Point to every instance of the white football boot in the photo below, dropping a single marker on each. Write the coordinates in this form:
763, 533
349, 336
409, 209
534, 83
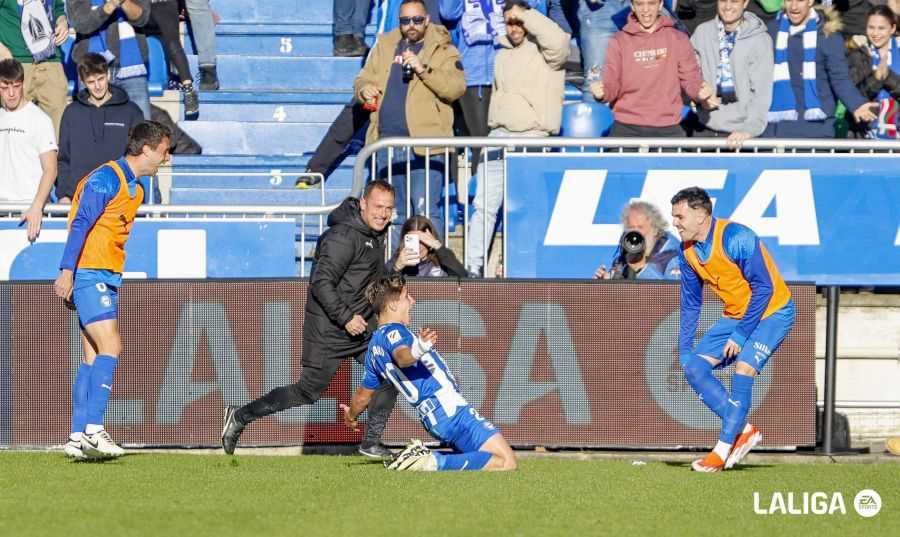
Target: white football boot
100, 446
72, 449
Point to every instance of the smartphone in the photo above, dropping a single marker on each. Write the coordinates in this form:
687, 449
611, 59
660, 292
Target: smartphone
411, 242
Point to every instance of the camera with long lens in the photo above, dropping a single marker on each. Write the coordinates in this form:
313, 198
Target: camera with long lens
632, 245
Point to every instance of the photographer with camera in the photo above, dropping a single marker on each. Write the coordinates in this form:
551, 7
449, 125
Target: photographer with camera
646, 249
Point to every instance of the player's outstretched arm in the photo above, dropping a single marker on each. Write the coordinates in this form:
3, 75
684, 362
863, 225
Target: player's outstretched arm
359, 403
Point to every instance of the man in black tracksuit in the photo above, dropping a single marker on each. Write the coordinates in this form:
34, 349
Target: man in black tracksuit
94, 127
338, 320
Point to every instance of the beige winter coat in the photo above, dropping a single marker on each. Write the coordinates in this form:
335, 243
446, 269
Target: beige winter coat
529, 79
430, 95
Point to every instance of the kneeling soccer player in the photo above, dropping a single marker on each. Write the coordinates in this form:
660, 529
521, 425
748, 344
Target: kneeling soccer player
420, 374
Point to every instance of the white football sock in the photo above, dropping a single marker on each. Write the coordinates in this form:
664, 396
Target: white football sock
722, 449
93, 428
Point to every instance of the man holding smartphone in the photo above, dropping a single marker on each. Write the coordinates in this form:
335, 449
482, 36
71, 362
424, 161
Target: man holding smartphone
338, 320
416, 105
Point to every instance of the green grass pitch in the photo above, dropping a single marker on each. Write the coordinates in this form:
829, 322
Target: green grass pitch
175, 495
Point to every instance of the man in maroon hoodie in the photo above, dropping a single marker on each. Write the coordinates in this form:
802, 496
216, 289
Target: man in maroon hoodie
648, 66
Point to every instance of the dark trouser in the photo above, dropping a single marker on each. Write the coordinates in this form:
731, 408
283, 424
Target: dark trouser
333, 146
624, 130
315, 376
474, 104
350, 17
165, 15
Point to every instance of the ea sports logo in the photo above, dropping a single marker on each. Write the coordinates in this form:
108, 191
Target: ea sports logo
867, 503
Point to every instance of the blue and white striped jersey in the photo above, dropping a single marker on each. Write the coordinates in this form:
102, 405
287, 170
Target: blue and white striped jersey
427, 385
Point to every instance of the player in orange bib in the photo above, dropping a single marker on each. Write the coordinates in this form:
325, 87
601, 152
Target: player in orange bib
102, 213
758, 314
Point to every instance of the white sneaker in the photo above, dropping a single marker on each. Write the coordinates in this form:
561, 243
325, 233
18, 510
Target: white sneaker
72, 449
100, 446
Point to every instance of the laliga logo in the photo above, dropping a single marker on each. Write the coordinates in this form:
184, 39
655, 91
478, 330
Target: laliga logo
867, 503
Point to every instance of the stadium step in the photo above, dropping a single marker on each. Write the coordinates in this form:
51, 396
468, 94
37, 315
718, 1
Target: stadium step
279, 106
257, 73
272, 179
236, 138
256, 162
276, 11
254, 112
278, 40
256, 196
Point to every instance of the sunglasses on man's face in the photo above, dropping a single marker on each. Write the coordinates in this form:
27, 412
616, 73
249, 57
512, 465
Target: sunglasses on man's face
417, 20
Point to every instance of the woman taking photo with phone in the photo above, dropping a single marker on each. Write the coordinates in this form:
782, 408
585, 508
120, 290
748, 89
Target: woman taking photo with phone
875, 69
420, 253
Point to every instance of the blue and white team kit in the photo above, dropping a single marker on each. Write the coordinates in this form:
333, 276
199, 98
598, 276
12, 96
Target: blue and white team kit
430, 388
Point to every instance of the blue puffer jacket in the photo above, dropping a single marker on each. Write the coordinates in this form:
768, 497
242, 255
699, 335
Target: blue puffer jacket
478, 59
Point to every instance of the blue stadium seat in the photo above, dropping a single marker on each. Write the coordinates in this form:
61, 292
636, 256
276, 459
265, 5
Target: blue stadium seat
586, 120
158, 73
572, 93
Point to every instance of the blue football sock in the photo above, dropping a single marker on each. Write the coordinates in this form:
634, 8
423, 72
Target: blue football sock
699, 375
80, 390
738, 407
100, 387
472, 460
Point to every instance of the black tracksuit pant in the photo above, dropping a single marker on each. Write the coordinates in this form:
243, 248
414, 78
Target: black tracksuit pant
318, 370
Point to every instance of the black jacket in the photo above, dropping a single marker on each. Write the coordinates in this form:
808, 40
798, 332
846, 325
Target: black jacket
863, 76
861, 73
91, 135
349, 255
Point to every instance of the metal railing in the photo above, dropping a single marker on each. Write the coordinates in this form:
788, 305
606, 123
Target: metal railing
367, 159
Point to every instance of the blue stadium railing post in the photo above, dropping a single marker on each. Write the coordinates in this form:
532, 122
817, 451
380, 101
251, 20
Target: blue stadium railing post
832, 297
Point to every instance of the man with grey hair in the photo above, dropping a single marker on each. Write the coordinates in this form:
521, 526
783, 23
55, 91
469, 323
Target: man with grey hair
647, 250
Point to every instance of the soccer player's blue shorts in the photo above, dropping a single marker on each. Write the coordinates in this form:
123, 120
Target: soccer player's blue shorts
466, 431
96, 295
758, 348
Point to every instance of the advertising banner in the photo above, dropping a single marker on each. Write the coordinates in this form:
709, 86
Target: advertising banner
832, 219
550, 363
165, 248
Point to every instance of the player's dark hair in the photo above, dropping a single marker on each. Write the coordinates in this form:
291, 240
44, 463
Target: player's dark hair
696, 198
92, 64
146, 133
385, 290
378, 184
11, 71
510, 3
